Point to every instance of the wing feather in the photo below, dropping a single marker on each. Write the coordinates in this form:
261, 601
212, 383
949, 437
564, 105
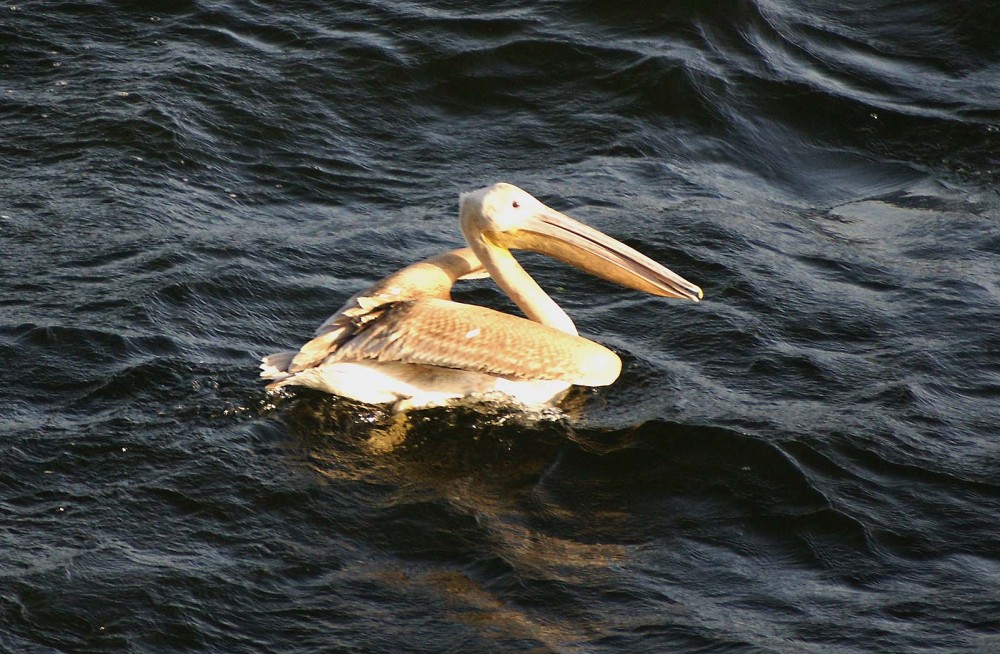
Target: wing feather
448, 334
430, 278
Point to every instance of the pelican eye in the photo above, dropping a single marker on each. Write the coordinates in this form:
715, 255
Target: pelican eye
515, 204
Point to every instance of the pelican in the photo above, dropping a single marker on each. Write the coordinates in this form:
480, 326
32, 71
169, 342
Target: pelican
405, 342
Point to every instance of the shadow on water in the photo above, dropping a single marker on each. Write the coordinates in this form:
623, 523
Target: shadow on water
555, 475
518, 507
497, 515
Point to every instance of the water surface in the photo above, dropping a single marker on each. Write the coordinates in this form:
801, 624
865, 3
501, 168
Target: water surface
806, 461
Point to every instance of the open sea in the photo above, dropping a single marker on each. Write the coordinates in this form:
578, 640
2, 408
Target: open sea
806, 462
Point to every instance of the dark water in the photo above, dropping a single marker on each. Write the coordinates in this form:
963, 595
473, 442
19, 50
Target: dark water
807, 461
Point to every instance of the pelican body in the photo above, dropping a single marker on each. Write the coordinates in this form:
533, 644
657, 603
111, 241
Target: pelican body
405, 342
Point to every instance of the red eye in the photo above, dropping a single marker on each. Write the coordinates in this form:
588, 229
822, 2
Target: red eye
516, 204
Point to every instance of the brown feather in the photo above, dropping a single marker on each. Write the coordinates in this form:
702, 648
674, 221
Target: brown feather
431, 277
448, 334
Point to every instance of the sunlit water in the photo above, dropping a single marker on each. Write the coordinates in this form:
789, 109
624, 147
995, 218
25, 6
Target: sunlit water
807, 461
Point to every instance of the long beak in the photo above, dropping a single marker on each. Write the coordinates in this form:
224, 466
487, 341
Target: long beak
557, 235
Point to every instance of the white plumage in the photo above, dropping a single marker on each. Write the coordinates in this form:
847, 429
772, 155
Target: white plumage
404, 341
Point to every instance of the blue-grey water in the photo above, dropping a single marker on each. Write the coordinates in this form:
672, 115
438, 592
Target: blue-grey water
806, 462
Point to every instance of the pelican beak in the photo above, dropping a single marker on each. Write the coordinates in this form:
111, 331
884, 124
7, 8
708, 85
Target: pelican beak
557, 235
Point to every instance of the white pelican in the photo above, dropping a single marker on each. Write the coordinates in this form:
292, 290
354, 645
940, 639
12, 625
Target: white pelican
404, 341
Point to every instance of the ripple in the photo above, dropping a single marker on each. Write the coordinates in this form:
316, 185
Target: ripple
188, 186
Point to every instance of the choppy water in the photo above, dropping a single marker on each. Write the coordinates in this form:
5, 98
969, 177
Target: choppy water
807, 461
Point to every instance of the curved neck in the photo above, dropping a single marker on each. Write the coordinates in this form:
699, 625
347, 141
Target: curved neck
520, 287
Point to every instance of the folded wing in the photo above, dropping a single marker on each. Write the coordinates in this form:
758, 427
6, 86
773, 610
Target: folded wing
447, 334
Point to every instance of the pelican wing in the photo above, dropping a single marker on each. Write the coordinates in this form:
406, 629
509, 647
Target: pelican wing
448, 334
431, 277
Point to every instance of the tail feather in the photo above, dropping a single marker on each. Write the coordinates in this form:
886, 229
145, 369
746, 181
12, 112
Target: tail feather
275, 367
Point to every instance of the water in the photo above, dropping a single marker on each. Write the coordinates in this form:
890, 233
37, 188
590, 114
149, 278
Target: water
807, 461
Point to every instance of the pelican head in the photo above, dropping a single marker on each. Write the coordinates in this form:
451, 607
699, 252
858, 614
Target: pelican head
503, 217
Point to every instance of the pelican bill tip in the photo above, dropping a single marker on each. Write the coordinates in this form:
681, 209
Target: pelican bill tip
688, 291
